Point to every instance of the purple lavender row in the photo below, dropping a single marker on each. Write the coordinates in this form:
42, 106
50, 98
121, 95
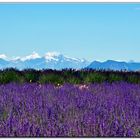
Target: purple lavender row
94, 110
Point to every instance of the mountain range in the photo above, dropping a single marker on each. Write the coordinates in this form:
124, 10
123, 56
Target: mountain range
115, 65
53, 60
50, 60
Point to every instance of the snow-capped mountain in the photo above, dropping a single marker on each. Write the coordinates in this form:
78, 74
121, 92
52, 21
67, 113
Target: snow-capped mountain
3, 56
50, 60
53, 60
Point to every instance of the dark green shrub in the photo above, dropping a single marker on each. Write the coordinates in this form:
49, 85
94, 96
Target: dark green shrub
115, 78
73, 80
51, 78
67, 76
133, 79
9, 76
95, 78
30, 77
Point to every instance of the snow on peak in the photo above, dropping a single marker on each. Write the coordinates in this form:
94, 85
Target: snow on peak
51, 55
3, 56
34, 55
15, 58
75, 59
70, 58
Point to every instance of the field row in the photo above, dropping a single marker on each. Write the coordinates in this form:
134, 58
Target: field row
93, 110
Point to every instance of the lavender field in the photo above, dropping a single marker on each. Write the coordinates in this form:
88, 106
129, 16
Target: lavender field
93, 110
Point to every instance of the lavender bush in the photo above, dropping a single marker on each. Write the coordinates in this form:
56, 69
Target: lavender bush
94, 110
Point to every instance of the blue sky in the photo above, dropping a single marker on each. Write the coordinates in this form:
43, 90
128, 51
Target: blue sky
91, 31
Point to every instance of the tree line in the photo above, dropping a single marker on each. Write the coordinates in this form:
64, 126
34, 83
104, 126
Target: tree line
71, 76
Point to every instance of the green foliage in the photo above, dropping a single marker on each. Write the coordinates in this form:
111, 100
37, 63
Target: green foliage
95, 78
67, 76
73, 80
9, 76
51, 78
133, 79
115, 78
31, 76
3, 114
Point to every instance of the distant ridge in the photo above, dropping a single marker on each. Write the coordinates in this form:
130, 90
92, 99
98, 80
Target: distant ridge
54, 60
115, 65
